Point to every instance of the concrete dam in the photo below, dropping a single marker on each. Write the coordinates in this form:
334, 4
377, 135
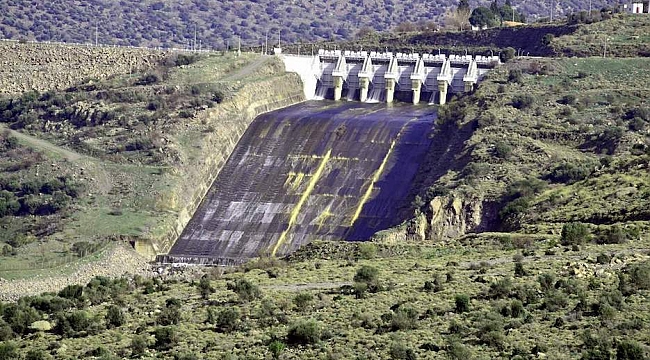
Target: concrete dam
327, 170
317, 170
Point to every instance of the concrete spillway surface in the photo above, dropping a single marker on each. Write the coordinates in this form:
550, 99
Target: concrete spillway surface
317, 170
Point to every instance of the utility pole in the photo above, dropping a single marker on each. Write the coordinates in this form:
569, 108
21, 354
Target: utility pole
194, 46
278, 38
96, 34
239, 46
266, 43
552, 5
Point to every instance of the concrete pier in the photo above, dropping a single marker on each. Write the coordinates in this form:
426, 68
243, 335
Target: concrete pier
382, 76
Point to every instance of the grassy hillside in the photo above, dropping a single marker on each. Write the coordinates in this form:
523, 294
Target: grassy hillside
107, 159
464, 300
218, 23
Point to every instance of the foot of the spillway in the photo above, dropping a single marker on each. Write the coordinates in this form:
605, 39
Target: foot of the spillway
338, 87
363, 89
390, 90
417, 88
442, 90
469, 86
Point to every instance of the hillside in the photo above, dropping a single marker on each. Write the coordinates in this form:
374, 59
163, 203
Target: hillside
107, 160
217, 23
529, 236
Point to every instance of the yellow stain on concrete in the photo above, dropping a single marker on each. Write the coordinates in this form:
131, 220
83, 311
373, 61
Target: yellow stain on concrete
294, 180
305, 195
322, 218
374, 179
316, 157
377, 174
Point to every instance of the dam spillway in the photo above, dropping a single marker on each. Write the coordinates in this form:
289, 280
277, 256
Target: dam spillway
317, 170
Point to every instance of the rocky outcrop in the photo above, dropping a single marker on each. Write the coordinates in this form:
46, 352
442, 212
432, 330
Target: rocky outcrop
451, 216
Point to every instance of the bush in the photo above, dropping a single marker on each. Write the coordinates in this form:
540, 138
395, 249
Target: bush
629, 350
205, 288
574, 234
523, 101
276, 348
399, 351
614, 235
508, 54
228, 319
368, 275
9, 351
138, 345
569, 173
462, 303
367, 251
114, 317
305, 332
171, 314
502, 150
500, 289
404, 318
148, 79
519, 270
37, 354
303, 300
546, 282
515, 76
166, 338
246, 290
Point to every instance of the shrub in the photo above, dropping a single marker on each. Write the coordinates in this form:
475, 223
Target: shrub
114, 317
569, 99
246, 290
303, 300
138, 345
546, 281
569, 173
368, 275
166, 338
516, 308
555, 301
171, 314
367, 250
276, 348
148, 79
404, 318
500, 289
519, 270
228, 319
457, 351
305, 332
613, 235
205, 288
37, 354
9, 351
508, 54
574, 234
462, 303
629, 350
399, 351
523, 101
502, 150
515, 76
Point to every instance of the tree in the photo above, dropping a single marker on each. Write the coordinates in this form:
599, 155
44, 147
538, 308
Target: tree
205, 288
574, 234
463, 5
482, 16
457, 19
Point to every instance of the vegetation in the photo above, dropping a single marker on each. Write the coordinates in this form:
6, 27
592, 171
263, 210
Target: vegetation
164, 23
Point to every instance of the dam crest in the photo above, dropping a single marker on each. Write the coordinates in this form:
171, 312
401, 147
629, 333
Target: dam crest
385, 76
